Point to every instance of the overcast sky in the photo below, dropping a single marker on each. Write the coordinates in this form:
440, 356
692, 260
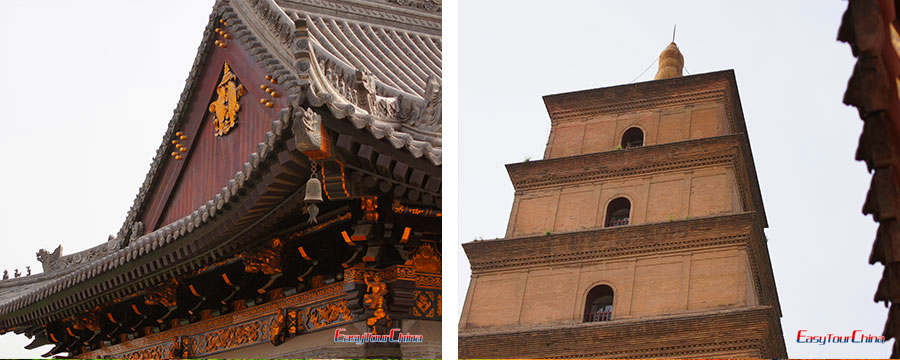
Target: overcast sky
791, 75
87, 89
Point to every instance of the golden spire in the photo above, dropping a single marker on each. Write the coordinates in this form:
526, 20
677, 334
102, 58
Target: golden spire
671, 63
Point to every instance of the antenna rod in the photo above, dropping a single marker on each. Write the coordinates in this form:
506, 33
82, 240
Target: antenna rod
673, 32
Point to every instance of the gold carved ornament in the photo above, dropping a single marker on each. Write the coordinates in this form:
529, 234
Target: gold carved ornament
226, 107
425, 260
276, 329
370, 208
327, 314
376, 290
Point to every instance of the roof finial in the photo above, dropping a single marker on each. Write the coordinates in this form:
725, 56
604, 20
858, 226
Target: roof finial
671, 62
673, 32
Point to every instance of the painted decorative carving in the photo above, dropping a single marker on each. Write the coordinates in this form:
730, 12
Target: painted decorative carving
376, 290
164, 295
181, 348
88, 321
226, 106
399, 208
276, 329
267, 260
156, 352
328, 314
425, 260
232, 337
369, 206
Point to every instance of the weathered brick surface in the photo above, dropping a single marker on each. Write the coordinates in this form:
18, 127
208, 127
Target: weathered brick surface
660, 197
604, 132
746, 332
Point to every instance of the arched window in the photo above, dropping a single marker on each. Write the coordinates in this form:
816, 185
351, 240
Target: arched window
599, 304
617, 212
632, 138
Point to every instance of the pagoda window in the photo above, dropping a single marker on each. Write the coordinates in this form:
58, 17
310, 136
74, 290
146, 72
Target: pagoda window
632, 138
599, 306
618, 212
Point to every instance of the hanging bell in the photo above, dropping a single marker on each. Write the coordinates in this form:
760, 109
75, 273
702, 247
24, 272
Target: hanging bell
313, 190
313, 196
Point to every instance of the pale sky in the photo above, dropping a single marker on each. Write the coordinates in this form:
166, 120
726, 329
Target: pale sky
791, 75
87, 89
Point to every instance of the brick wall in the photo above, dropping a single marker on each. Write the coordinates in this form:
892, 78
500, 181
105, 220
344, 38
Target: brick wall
604, 132
659, 197
643, 286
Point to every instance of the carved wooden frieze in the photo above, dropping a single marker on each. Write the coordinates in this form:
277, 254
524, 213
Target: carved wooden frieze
248, 333
315, 309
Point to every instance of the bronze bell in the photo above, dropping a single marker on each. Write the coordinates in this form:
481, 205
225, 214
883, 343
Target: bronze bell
313, 196
313, 190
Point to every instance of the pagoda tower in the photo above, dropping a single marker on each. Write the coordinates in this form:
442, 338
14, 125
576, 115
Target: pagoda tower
640, 233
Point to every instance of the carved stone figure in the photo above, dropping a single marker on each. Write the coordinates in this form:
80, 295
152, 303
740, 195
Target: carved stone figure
365, 85
17, 273
5, 274
28, 270
48, 260
307, 128
137, 229
430, 119
423, 117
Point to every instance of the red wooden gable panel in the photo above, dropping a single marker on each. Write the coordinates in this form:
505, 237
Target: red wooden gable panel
211, 161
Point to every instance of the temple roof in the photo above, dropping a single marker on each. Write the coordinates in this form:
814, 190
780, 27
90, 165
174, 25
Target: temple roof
374, 64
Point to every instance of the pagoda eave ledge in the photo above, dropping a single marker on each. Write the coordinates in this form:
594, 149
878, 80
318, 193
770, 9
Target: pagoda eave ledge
616, 163
750, 329
711, 86
600, 243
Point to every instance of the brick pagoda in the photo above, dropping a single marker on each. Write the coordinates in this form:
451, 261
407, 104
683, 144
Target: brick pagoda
640, 233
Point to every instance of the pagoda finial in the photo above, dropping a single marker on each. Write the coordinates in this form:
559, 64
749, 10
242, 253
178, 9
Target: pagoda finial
671, 62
